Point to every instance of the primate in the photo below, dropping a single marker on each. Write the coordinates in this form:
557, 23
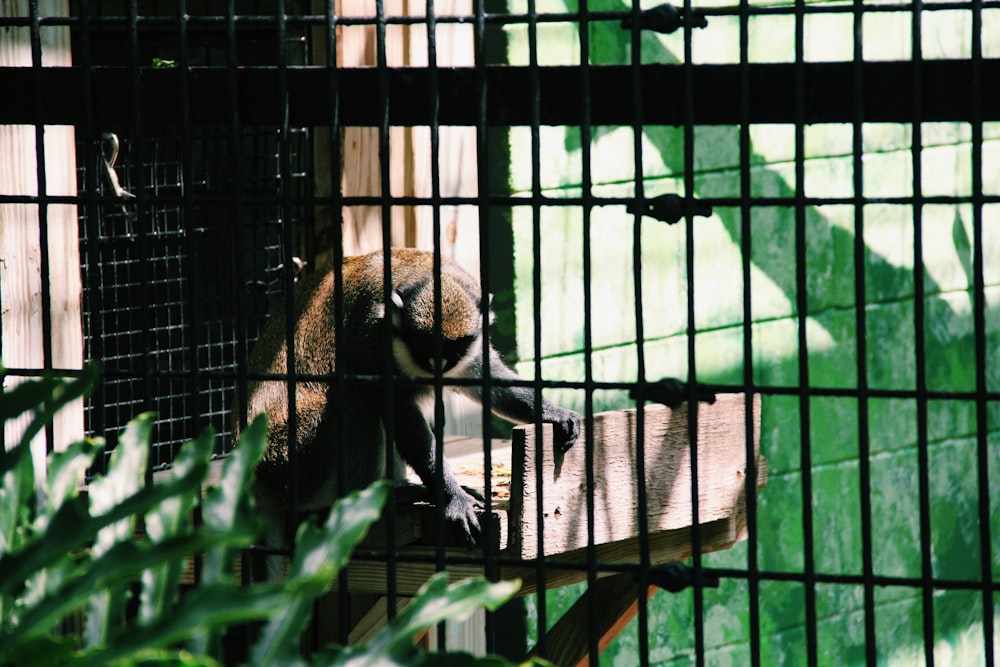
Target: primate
358, 349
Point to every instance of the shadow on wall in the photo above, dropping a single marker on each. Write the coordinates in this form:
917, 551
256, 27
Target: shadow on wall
890, 362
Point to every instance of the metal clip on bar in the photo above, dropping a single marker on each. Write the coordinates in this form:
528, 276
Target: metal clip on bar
675, 576
670, 208
671, 392
666, 19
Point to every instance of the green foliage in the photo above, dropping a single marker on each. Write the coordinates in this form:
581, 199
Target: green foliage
66, 554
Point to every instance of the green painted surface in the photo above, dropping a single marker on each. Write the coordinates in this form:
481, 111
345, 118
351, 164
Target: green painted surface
830, 326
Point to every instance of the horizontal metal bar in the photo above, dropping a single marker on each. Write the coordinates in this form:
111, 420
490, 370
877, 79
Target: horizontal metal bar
947, 88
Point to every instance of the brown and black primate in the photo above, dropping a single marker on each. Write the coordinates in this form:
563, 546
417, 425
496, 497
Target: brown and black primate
358, 349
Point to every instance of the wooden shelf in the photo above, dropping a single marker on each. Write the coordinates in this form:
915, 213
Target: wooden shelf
722, 472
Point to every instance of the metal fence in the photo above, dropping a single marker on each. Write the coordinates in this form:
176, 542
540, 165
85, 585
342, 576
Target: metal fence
187, 232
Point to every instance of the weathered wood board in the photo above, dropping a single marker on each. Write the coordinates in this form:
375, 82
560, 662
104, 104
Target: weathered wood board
562, 499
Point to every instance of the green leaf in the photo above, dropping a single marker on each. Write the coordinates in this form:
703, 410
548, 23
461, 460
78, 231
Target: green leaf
25, 396
17, 498
169, 519
112, 573
205, 608
48, 650
435, 602
47, 396
66, 473
71, 527
124, 478
228, 507
320, 554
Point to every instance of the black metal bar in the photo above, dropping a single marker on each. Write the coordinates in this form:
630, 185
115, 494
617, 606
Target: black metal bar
93, 303
861, 345
381, 114
135, 122
690, 93
829, 94
636, 102
802, 312
980, 334
586, 186
535, 121
252, 21
45, 258
500, 200
918, 83
746, 249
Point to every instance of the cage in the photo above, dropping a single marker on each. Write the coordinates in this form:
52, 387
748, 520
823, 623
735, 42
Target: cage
791, 206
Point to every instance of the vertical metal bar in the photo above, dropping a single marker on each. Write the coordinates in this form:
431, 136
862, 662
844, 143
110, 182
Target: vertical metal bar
920, 358
235, 198
334, 148
94, 302
288, 270
536, 291
143, 212
642, 585
802, 311
240, 303
746, 250
861, 339
438, 342
586, 186
692, 335
43, 204
192, 393
189, 242
485, 270
388, 366
979, 324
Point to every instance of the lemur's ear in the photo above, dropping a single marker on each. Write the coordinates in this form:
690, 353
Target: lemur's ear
397, 309
489, 308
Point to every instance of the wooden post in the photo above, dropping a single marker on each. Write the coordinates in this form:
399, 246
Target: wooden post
617, 598
21, 229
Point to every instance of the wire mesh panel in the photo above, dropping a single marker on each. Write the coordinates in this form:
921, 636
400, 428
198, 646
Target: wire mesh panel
160, 290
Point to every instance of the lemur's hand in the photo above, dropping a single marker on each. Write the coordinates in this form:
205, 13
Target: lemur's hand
565, 428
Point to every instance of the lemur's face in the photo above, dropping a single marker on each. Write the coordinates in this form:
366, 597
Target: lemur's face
415, 327
414, 352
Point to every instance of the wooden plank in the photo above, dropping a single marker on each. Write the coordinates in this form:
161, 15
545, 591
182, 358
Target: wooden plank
22, 227
563, 499
375, 620
369, 574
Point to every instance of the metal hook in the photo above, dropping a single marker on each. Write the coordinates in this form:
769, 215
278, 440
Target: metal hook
109, 154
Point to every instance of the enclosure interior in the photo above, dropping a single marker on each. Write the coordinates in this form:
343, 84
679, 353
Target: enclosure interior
848, 271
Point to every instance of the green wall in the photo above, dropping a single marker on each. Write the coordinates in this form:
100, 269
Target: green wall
832, 352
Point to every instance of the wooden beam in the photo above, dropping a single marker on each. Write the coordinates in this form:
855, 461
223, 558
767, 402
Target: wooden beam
616, 599
368, 572
887, 94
